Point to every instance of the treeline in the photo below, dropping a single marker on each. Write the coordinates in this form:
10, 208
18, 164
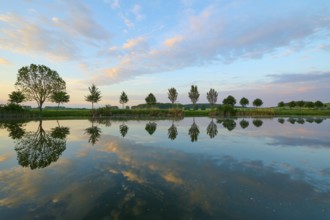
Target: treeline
41, 84
301, 104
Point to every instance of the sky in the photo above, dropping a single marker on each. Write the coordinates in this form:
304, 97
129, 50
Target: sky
273, 50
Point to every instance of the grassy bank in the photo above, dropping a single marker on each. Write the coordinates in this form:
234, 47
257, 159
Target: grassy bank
161, 113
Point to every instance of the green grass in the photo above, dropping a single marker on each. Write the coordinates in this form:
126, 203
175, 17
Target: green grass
161, 113
47, 113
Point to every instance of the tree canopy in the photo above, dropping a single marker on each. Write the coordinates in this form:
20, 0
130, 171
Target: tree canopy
16, 97
230, 100
212, 97
94, 96
38, 82
123, 99
193, 94
60, 97
244, 102
151, 99
257, 102
172, 95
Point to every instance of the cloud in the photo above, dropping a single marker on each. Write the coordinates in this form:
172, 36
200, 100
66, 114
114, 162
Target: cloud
136, 10
134, 43
57, 37
170, 42
24, 36
220, 33
4, 61
301, 77
80, 22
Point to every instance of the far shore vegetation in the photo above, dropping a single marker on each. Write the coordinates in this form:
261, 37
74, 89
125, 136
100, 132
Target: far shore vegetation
39, 83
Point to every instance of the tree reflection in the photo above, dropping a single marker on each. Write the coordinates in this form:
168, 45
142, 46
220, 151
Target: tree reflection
194, 132
172, 132
292, 120
212, 129
15, 129
244, 123
300, 121
94, 133
229, 123
60, 132
123, 129
151, 127
318, 120
257, 122
102, 121
281, 120
39, 149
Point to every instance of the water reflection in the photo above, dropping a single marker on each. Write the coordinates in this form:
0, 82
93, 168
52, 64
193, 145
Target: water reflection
172, 132
60, 131
193, 131
212, 129
244, 123
229, 124
151, 127
123, 129
135, 178
94, 133
15, 128
40, 148
257, 122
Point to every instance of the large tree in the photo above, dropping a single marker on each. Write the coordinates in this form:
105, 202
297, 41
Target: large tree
16, 97
244, 102
193, 95
123, 99
172, 95
38, 82
212, 97
60, 97
94, 96
151, 99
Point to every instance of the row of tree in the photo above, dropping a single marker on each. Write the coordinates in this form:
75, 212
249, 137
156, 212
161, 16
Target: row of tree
40, 83
301, 103
212, 97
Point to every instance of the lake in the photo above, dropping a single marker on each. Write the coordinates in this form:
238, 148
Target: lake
195, 168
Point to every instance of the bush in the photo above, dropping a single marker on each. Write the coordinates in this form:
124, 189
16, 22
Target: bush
12, 107
226, 110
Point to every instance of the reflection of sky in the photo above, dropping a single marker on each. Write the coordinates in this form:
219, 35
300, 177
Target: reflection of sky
246, 170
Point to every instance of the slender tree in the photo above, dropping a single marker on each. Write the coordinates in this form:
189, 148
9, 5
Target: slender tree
38, 82
244, 102
257, 102
60, 97
193, 95
94, 96
172, 95
172, 132
16, 97
212, 97
151, 99
123, 99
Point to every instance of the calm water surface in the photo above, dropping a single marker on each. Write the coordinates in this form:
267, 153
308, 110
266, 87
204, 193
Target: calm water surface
190, 169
